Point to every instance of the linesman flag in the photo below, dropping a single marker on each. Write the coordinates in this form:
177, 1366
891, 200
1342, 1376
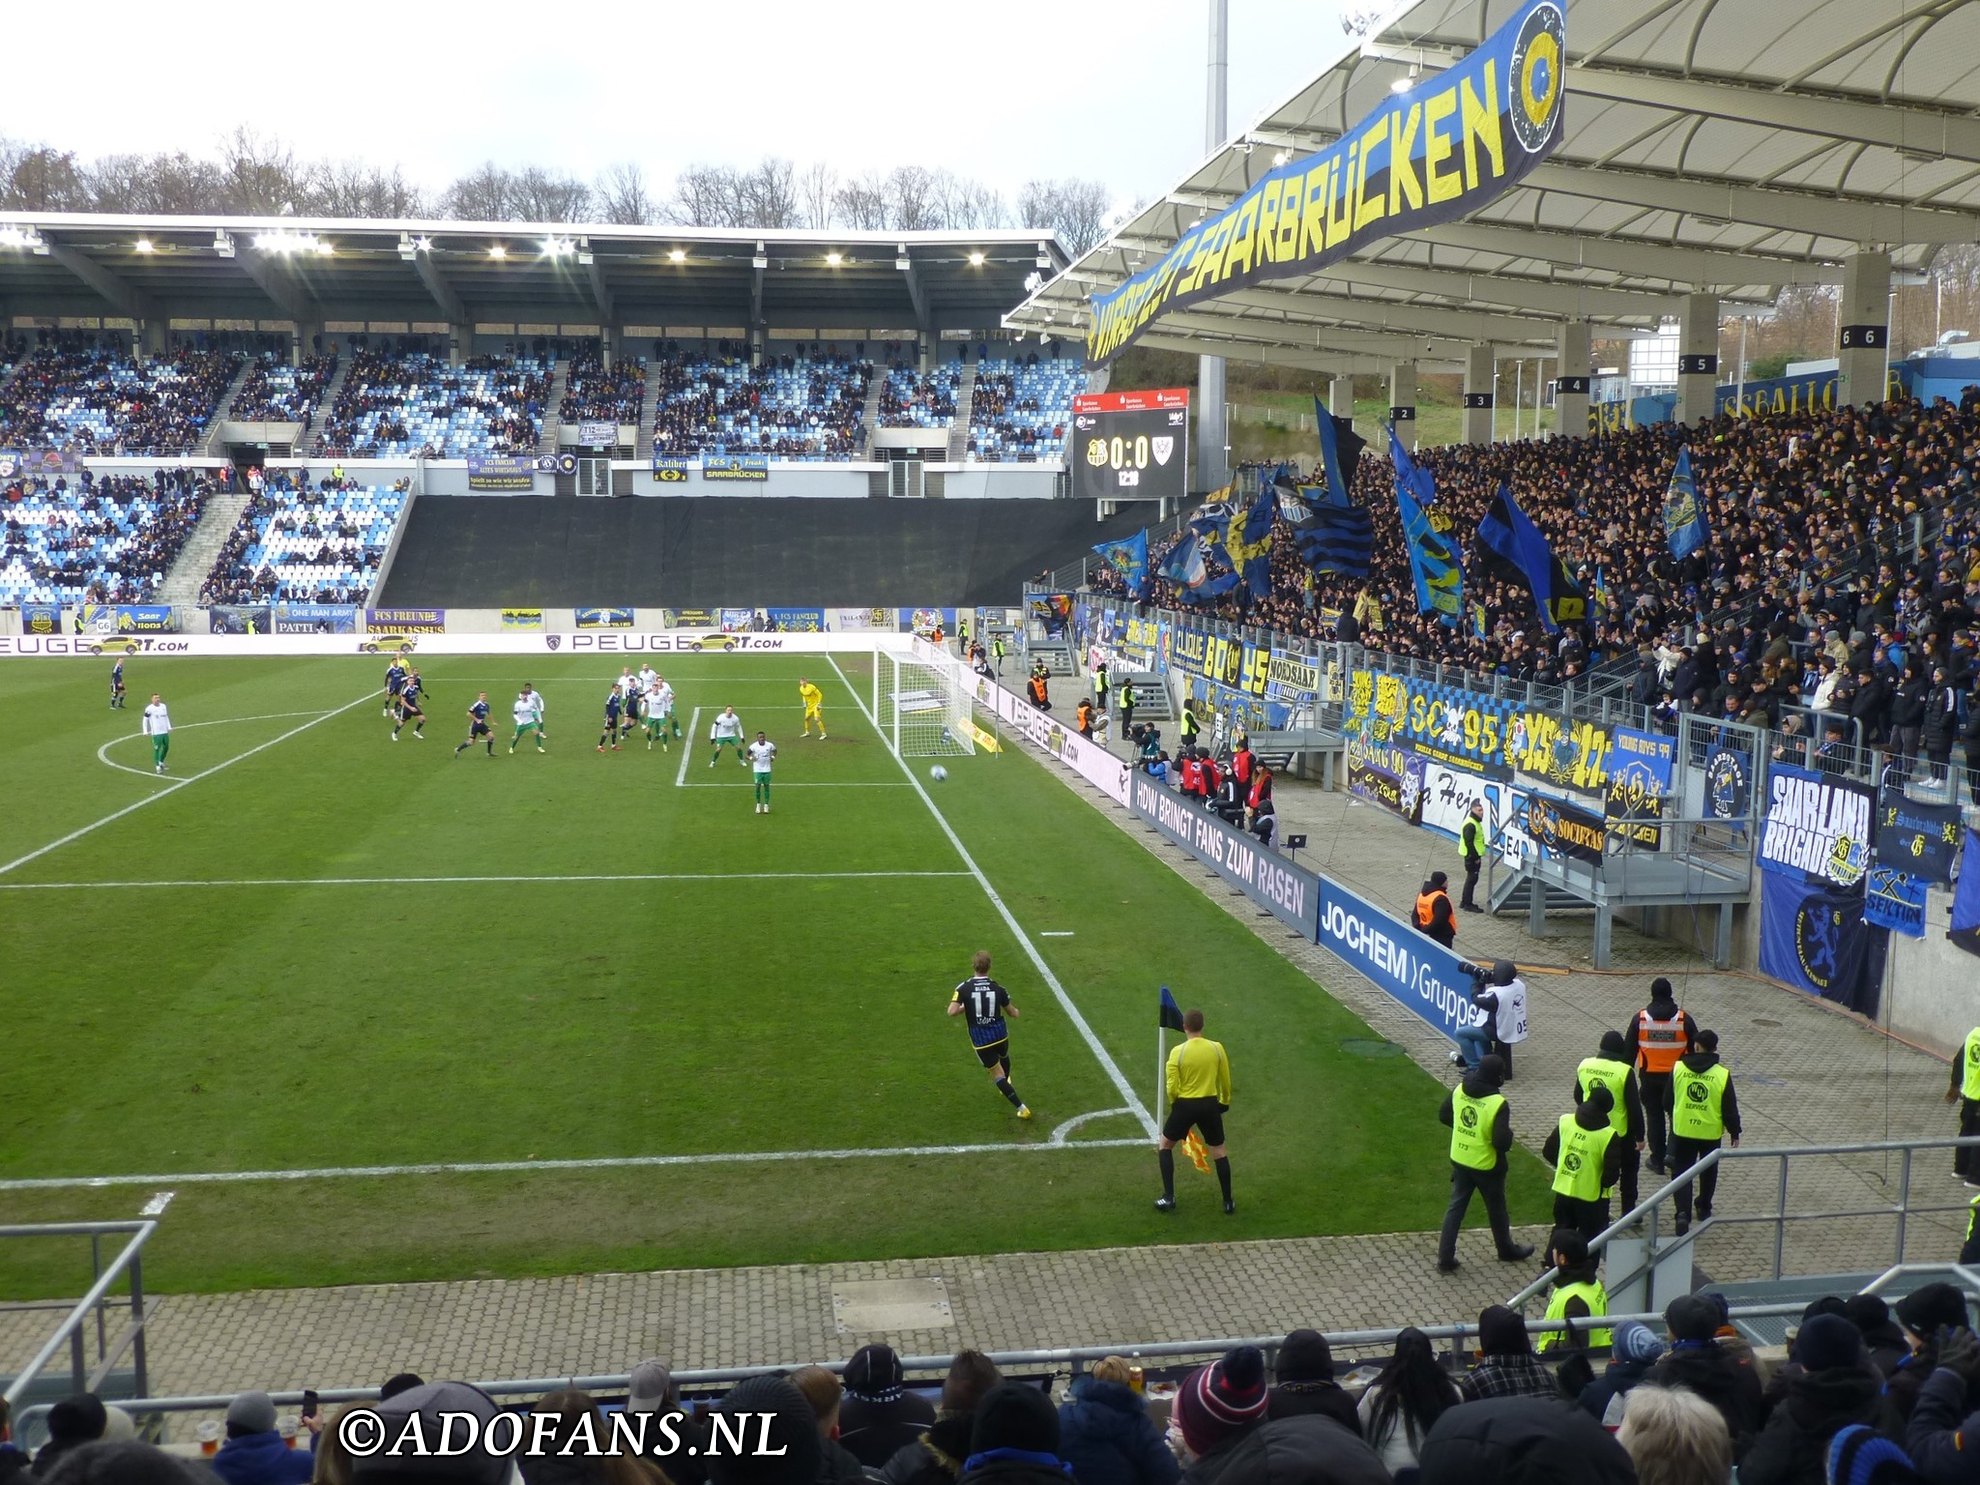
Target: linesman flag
1197, 1151
1507, 534
1171, 1014
1684, 517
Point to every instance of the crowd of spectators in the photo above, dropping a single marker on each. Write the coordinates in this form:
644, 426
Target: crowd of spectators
92, 396
920, 399
788, 407
416, 402
274, 391
597, 393
1020, 409
91, 539
1865, 1395
304, 541
1842, 573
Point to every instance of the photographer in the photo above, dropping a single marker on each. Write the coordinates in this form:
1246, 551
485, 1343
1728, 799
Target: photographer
1500, 996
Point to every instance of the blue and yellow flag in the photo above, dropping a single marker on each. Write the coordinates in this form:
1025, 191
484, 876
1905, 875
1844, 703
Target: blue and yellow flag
1432, 561
1684, 516
1128, 557
1248, 544
1507, 533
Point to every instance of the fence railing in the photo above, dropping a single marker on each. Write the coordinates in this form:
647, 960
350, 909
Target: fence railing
97, 1304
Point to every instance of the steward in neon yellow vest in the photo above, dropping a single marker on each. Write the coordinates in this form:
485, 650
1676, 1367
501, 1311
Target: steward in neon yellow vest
1575, 1280
1703, 1111
1480, 1122
1965, 1089
1587, 1157
1612, 1068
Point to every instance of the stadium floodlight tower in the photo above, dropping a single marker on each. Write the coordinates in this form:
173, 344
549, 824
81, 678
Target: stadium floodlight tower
922, 702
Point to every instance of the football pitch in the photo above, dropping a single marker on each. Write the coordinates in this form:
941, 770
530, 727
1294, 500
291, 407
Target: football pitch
371, 1011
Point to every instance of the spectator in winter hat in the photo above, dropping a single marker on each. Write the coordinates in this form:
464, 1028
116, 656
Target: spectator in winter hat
1697, 1361
1632, 1353
936, 1458
1506, 1365
879, 1414
125, 1463
1014, 1439
255, 1454
789, 1442
1883, 1337
1522, 1441
1924, 1313
1303, 1377
1836, 1386
1216, 1406
429, 1405
72, 1422
1861, 1456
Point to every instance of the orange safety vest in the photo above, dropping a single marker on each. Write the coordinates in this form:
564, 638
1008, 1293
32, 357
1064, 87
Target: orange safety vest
1425, 906
1037, 689
1659, 1044
1084, 718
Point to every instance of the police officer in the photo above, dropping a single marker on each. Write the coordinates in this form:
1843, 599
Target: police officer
1661, 1034
1433, 910
1480, 1121
1471, 845
1965, 1088
1703, 1109
1609, 1068
1587, 1155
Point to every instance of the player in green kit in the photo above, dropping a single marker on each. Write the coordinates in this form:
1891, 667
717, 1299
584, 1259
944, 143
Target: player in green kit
528, 712
726, 731
762, 753
660, 724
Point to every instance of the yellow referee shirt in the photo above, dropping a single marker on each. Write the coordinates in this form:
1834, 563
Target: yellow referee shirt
1199, 1069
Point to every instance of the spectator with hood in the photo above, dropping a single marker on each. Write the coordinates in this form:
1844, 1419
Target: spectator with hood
1014, 1439
936, 1458
1837, 1386
1924, 1313
1698, 1362
1506, 1365
1522, 1441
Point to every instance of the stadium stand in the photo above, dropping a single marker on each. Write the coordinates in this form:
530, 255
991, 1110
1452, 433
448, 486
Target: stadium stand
596, 392
306, 545
417, 403
102, 540
790, 407
77, 394
913, 399
1020, 409
273, 391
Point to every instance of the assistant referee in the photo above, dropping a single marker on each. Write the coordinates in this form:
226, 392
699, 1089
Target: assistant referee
1199, 1084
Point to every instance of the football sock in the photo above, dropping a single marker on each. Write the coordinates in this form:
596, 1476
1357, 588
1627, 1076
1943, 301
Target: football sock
1167, 1160
1224, 1175
1004, 1087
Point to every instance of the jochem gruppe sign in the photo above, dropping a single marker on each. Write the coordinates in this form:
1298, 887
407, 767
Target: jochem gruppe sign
1288, 892
1417, 971
1431, 154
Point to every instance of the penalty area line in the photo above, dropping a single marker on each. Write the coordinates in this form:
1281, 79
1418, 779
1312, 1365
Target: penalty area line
1059, 993
178, 784
687, 748
1057, 1144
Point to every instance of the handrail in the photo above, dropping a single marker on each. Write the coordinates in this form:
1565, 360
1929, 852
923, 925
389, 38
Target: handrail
69, 1331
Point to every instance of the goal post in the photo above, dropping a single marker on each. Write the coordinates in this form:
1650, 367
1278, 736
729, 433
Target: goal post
922, 707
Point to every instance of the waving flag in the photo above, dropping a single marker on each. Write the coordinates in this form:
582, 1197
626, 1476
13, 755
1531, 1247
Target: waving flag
1184, 564
1128, 557
1507, 534
1249, 544
1331, 532
1340, 450
1684, 517
1432, 562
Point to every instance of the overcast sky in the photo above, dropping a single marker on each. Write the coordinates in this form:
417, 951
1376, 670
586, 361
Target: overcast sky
1102, 89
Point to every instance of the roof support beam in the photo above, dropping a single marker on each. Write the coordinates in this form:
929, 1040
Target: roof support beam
283, 292
443, 294
601, 293
1635, 257
105, 284
917, 294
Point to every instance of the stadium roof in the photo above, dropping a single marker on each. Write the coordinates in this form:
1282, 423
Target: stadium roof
317, 270
1709, 145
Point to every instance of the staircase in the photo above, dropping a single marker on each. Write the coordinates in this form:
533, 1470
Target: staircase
13, 371
223, 410
216, 523
870, 418
648, 409
553, 419
306, 441
959, 429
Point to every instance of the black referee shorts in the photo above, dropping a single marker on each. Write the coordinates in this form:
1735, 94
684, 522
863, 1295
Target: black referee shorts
1206, 1114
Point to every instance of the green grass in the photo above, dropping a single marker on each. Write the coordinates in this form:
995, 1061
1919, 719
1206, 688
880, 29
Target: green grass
288, 1023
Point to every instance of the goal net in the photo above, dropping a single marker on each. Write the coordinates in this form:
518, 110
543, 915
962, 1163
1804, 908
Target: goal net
923, 706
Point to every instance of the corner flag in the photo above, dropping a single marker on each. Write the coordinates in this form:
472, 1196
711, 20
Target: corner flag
1171, 1016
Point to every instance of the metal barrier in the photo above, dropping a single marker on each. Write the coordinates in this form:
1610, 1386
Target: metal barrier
94, 1302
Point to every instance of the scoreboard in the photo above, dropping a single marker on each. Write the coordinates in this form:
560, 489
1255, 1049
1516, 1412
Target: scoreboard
1131, 445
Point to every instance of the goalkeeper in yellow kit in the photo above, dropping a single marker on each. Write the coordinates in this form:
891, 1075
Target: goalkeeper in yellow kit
814, 701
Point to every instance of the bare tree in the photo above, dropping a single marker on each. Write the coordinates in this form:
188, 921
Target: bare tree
351, 188
622, 197
162, 184
1075, 209
818, 194
37, 178
913, 204
703, 196
863, 202
483, 195
259, 173
540, 195
767, 196
964, 205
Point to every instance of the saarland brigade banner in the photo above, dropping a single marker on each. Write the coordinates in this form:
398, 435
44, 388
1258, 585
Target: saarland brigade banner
1434, 153
1817, 828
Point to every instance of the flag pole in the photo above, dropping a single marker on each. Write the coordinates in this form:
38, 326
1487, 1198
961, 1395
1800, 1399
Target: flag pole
1161, 1071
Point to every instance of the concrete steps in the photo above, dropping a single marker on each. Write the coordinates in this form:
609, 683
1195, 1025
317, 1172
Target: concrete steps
870, 418
195, 561
959, 429
553, 421
223, 410
306, 444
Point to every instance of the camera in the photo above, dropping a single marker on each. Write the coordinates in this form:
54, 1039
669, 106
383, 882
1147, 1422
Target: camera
1481, 975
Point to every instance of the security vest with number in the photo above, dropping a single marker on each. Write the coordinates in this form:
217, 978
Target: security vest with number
1659, 1043
1969, 1088
1578, 1167
1590, 1293
1698, 1102
1472, 1122
1605, 1072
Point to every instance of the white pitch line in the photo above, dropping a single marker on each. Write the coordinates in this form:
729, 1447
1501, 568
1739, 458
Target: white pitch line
174, 787
687, 748
690, 876
812, 784
1056, 1144
1107, 1063
145, 773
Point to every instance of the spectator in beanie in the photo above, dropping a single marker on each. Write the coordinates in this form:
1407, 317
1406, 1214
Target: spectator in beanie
1943, 1436
1698, 1362
790, 1448
432, 1403
126, 1463
1675, 1437
936, 1458
72, 1422
1632, 1353
1303, 1375
1522, 1441
574, 1411
1506, 1365
1837, 1386
1923, 1313
254, 1453
1306, 1449
1105, 1432
1859, 1456
879, 1415
1883, 1337
1014, 1439
1216, 1406
1405, 1400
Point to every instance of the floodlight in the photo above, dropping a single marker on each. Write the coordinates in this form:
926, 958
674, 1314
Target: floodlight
976, 258
1044, 256
497, 251
833, 260
143, 245
677, 255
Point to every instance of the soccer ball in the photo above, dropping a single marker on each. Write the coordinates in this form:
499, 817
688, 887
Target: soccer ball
938, 773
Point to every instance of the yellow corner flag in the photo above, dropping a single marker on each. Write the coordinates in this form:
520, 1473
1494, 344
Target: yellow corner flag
1199, 1156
